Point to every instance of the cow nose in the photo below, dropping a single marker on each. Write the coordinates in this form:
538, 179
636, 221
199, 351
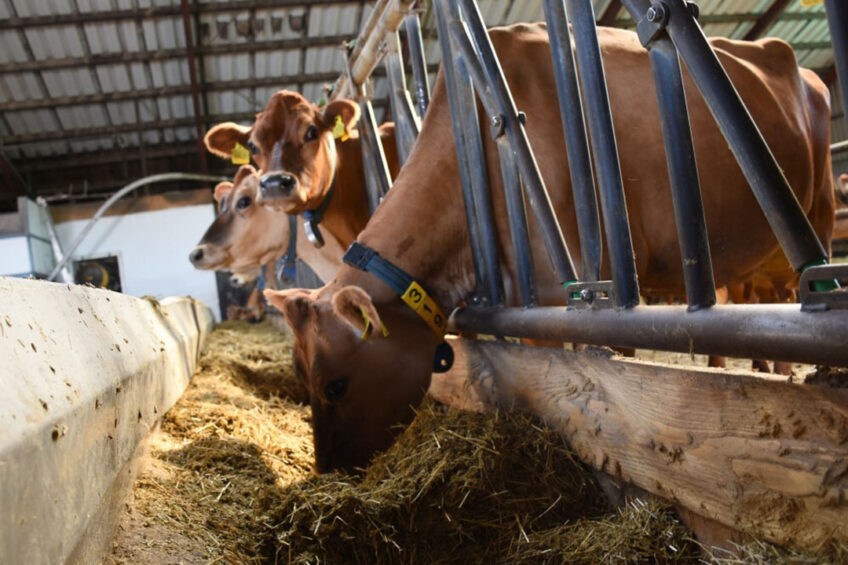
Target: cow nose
196, 255
276, 185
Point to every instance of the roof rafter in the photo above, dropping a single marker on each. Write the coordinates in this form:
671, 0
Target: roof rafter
175, 11
765, 21
108, 131
182, 90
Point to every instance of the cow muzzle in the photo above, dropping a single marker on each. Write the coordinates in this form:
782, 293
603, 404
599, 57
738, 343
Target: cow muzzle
196, 256
275, 186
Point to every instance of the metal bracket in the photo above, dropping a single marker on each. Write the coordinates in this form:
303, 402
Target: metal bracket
497, 124
653, 24
583, 295
812, 299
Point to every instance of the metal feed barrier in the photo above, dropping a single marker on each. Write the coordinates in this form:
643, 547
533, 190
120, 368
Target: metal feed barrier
608, 312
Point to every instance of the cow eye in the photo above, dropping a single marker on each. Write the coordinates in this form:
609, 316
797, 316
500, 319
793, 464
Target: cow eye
243, 203
311, 134
336, 389
252, 147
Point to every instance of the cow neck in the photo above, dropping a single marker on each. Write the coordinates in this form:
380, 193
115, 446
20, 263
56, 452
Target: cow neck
432, 248
312, 216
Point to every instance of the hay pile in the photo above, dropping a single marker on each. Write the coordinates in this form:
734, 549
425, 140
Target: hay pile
229, 481
237, 434
465, 487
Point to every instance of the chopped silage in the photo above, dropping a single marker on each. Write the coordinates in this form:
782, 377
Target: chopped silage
229, 479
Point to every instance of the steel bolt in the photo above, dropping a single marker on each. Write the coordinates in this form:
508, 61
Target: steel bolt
586, 295
656, 13
497, 121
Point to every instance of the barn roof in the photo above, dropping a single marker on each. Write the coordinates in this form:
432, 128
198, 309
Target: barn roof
97, 93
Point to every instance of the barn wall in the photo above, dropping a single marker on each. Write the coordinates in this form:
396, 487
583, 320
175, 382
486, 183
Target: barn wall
152, 249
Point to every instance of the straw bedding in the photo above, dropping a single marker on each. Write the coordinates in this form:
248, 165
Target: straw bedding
229, 481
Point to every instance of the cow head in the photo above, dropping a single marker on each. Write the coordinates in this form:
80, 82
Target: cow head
366, 371
292, 142
245, 233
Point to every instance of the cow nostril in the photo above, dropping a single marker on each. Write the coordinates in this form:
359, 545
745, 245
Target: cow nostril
271, 183
196, 254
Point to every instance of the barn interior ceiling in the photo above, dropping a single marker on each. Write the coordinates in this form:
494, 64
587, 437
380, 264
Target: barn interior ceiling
97, 93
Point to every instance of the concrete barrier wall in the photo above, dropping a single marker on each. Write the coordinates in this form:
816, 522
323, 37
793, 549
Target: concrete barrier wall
85, 375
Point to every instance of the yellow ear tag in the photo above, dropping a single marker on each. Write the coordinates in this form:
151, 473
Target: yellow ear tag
240, 154
340, 130
810, 3
368, 326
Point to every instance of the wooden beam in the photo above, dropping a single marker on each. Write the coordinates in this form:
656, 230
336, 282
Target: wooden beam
765, 21
765, 457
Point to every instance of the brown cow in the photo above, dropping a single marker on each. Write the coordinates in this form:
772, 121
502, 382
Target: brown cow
293, 144
245, 234
360, 388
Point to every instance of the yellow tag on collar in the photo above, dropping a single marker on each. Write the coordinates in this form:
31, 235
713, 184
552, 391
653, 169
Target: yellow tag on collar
340, 130
240, 154
368, 326
417, 299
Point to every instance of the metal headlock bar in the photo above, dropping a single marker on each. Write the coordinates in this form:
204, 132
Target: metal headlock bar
607, 312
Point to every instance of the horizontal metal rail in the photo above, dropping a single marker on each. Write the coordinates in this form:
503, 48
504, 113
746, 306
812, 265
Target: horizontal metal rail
766, 331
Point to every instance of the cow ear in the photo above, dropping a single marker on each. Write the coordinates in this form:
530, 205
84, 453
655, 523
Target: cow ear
243, 172
222, 139
296, 305
354, 306
221, 190
348, 110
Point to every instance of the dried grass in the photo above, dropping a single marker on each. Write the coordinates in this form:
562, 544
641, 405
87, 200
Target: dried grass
231, 475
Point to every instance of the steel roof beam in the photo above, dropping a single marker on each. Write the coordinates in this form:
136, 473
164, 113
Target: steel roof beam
764, 22
108, 131
178, 53
130, 95
107, 16
195, 90
101, 158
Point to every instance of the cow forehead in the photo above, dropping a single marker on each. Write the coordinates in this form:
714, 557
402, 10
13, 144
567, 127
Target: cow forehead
281, 120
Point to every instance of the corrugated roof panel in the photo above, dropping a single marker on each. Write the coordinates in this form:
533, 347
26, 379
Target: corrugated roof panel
323, 59
814, 59
21, 86
114, 78
148, 111
526, 12
185, 134
121, 112
68, 82
138, 75
41, 7
32, 121
278, 63
230, 102
720, 29
85, 116
11, 48
227, 68
54, 42
174, 107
